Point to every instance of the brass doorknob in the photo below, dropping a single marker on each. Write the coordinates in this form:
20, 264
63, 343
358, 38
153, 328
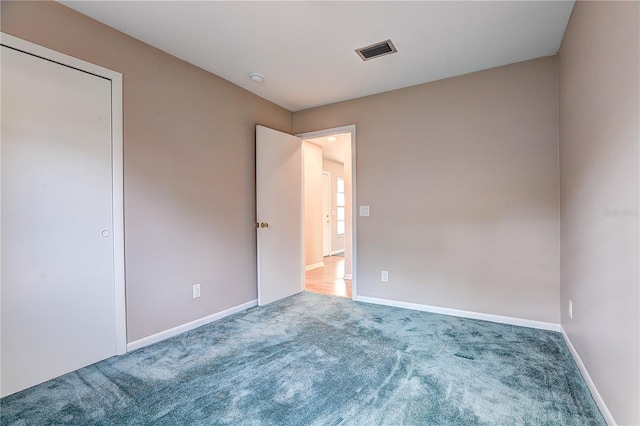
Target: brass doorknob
264, 225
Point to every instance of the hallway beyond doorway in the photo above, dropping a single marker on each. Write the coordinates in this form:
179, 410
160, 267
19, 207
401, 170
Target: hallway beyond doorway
329, 279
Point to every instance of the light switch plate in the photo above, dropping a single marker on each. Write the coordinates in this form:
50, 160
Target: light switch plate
364, 210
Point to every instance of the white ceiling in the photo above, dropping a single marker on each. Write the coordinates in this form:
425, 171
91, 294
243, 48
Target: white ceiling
305, 50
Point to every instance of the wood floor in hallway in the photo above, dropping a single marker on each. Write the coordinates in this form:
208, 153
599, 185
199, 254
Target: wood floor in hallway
329, 278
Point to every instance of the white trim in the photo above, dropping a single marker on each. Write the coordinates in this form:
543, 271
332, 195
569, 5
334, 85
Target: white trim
608, 417
118, 211
464, 314
314, 266
155, 338
337, 252
354, 216
116, 163
348, 277
346, 129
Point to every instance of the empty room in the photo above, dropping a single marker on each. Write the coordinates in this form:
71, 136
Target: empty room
170, 181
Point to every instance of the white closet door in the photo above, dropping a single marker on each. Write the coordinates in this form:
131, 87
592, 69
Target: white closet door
58, 296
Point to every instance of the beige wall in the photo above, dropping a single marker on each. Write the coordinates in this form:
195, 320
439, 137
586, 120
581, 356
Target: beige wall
337, 170
312, 203
462, 179
461, 176
189, 144
598, 76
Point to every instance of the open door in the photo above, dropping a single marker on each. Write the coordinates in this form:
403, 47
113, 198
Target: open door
279, 212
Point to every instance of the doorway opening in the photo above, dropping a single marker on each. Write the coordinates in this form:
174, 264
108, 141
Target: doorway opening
328, 169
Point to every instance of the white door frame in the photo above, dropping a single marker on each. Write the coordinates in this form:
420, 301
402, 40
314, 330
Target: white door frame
352, 130
116, 162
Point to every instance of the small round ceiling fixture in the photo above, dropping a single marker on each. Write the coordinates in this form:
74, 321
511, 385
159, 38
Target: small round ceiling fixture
331, 138
256, 78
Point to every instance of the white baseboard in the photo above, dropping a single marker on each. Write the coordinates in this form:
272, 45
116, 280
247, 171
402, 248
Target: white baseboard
314, 266
465, 314
592, 386
348, 276
337, 252
188, 326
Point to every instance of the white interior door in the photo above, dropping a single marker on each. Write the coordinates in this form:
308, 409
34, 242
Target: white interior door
58, 293
279, 210
326, 214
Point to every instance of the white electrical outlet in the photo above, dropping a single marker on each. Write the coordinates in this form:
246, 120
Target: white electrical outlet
364, 210
384, 277
196, 291
570, 309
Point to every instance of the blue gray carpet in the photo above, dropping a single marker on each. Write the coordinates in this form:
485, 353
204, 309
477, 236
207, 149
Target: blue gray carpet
322, 360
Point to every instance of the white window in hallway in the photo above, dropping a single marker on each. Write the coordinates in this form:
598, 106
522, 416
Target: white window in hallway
340, 206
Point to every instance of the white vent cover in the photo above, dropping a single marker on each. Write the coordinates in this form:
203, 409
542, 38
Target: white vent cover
376, 50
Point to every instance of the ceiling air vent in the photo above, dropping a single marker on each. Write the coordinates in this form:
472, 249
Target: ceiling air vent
376, 50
